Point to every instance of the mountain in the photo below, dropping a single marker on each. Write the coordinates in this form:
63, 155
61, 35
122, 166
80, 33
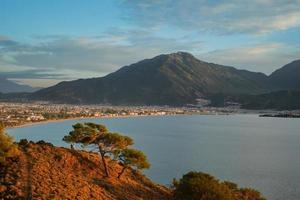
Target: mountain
171, 79
15, 97
287, 77
279, 100
7, 86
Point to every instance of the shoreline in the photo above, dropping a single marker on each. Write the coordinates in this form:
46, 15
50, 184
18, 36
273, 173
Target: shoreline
111, 117
103, 117
80, 118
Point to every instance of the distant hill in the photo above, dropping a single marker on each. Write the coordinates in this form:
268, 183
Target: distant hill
7, 86
15, 97
171, 79
280, 100
287, 77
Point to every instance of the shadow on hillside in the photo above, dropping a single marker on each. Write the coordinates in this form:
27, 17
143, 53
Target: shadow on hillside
28, 187
8, 178
125, 192
83, 159
142, 187
103, 183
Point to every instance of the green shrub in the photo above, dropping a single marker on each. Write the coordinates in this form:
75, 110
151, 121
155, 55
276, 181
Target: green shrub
23, 142
198, 185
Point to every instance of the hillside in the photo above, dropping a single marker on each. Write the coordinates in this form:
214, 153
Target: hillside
280, 100
40, 170
277, 100
7, 86
43, 171
287, 77
172, 79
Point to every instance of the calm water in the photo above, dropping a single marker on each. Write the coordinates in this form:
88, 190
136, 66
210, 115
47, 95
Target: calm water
254, 152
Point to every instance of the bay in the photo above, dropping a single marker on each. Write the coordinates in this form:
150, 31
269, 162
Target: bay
262, 153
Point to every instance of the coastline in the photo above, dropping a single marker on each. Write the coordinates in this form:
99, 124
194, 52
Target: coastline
80, 118
260, 113
111, 117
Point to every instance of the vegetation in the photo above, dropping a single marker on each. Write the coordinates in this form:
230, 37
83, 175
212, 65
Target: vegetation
113, 145
197, 185
132, 158
7, 147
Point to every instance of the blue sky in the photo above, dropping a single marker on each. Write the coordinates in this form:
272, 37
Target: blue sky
44, 42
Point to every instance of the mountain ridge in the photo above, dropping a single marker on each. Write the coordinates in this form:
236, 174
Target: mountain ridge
44, 171
167, 79
8, 86
288, 76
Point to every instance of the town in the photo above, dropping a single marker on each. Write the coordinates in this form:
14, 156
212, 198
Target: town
18, 114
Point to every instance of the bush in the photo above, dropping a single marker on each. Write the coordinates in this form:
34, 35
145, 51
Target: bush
7, 147
198, 185
23, 142
42, 142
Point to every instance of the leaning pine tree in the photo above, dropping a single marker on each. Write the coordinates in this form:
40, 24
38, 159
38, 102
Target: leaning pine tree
132, 158
97, 135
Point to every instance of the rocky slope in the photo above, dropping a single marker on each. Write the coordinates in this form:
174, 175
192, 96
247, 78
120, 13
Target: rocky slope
43, 171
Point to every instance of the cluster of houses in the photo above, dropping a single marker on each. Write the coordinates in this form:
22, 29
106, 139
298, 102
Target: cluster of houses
14, 114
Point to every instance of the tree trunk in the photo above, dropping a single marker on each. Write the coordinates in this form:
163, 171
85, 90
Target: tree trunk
104, 162
123, 170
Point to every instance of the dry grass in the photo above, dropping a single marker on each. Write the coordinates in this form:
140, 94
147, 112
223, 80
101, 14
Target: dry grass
43, 171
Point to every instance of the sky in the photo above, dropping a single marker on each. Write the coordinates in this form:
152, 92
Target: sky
43, 42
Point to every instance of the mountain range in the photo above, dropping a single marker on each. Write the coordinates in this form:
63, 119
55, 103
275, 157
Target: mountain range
8, 86
170, 79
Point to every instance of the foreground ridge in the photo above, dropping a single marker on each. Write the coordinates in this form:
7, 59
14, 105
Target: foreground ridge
43, 171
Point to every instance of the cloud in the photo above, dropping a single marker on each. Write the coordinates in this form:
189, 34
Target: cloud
51, 59
2, 37
32, 74
6, 42
260, 57
67, 58
161, 26
219, 17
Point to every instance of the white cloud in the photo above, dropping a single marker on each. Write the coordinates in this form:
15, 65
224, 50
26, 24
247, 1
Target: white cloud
286, 21
67, 58
261, 57
222, 17
81, 57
